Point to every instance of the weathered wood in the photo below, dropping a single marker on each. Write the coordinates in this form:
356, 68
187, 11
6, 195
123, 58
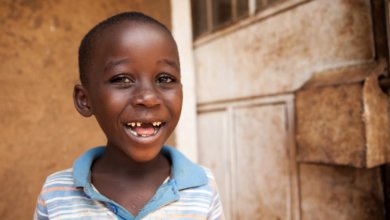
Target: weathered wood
342, 193
281, 53
344, 123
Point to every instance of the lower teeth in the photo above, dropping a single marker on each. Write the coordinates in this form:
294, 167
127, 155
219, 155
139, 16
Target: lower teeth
144, 135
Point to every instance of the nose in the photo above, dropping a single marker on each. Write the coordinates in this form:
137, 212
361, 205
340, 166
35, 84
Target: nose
146, 96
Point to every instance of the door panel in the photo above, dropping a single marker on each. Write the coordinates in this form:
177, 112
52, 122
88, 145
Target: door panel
248, 146
262, 162
214, 151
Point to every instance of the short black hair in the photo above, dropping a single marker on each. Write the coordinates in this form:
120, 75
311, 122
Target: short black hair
86, 45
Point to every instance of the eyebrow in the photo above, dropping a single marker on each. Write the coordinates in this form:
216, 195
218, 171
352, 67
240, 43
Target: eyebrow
112, 63
170, 63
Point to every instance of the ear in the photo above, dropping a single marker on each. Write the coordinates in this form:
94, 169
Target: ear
81, 101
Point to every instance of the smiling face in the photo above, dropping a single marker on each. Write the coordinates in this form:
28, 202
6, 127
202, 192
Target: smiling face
133, 89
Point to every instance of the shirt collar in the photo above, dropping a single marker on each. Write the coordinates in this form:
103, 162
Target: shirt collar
82, 166
185, 173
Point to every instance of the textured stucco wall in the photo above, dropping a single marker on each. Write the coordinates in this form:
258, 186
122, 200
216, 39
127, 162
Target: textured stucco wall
40, 131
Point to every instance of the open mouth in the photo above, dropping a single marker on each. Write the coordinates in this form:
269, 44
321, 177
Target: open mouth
144, 129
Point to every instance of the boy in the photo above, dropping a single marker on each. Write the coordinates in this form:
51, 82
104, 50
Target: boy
130, 81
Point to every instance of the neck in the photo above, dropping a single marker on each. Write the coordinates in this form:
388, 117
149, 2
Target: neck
116, 162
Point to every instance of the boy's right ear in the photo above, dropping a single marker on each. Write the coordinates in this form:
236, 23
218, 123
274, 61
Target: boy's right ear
81, 101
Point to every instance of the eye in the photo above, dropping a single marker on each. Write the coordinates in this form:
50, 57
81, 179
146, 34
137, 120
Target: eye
122, 80
165, 78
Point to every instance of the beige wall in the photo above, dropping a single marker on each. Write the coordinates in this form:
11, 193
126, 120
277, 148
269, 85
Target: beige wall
185, 134
40, 131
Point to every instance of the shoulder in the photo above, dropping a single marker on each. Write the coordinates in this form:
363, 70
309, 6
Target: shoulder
211, 181
208, 172
203, 180
202, 200
61, 198
60, 178
59, 184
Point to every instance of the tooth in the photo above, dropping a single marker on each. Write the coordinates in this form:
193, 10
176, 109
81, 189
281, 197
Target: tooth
133, 133
154, 123
138, 124
158, 123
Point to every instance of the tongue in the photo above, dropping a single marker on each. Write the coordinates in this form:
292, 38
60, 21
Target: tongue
144, 131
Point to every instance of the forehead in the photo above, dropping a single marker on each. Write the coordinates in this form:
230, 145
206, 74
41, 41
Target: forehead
136, 33
130, 39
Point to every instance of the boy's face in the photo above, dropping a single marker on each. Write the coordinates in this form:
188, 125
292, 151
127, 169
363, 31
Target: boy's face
134, 88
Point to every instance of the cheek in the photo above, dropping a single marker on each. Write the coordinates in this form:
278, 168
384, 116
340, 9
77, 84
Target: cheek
109, 104
176, 100
180, 100
116, 99
170, 96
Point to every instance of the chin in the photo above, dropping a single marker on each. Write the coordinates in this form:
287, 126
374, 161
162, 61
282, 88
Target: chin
145, 154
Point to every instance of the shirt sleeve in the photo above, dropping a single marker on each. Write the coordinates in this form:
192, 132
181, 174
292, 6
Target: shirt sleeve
215, 209
216, 212
41, 209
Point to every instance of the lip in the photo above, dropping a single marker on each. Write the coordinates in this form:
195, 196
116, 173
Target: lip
145, 139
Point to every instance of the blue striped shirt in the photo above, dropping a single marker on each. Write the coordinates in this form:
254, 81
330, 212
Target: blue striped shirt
189, 193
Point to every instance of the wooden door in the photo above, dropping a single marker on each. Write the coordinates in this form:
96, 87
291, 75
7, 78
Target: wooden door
249, 147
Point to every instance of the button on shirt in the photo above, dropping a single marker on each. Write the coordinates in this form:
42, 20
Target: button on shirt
189, 193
